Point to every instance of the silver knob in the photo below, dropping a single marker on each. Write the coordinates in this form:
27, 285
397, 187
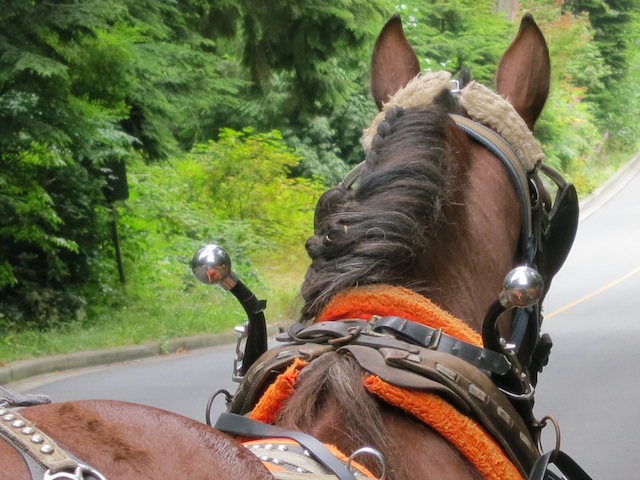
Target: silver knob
522, 287
212, 265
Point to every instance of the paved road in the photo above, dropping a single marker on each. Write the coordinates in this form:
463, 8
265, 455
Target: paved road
180, 383
591, 384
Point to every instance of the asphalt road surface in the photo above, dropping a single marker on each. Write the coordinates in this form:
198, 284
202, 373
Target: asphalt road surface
591, 385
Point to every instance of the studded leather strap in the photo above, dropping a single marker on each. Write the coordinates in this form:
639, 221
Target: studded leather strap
38, 445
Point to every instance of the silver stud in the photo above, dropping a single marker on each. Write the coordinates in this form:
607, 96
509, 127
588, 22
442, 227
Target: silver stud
18, 424
306, 453
268, 446
277, 461
283, 448
3, 411
478, 393
28, 431
9, 417
265, 459
37, 438
46, 449
301, 470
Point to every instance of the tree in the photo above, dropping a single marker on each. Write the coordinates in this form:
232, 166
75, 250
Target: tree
83, 83
616, 26
453, 35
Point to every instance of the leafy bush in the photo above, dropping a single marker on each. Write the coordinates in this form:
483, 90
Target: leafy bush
245, 177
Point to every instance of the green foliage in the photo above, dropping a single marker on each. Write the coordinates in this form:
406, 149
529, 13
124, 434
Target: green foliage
567, 128
307, 39
569, 136
246, 177
616, 31
54, 138
457, 34
84, 83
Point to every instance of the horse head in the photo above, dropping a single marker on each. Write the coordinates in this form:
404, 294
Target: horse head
448, 200
434, 210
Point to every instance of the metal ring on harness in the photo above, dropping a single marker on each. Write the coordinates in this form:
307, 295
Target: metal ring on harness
371, 451
556, 427
81, 472
227, 398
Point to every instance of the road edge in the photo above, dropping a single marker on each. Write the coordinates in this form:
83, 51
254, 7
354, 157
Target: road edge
23, 369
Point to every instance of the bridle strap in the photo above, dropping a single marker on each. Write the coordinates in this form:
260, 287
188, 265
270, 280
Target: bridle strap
44, 458
497, 145
27, 438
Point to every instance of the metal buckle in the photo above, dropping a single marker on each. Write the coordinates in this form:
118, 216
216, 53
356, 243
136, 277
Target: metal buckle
370, 451
243, 333
434, 339
81, 472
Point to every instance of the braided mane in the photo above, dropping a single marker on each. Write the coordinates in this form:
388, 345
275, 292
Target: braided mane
373, 232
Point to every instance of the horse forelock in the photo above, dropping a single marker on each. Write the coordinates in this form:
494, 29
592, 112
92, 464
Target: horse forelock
375, 231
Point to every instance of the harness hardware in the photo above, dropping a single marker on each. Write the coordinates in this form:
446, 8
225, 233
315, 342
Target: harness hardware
370, 451
227, 399
81, 472
556, 426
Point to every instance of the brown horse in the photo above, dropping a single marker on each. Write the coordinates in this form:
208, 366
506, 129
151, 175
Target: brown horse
431, 213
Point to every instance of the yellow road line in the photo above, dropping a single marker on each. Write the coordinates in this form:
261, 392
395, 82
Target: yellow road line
592, 294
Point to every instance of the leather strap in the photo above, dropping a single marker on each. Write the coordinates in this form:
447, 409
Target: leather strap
433, 339
569, 468
485, 401
266, 368
27, 438
503, 150
239, 425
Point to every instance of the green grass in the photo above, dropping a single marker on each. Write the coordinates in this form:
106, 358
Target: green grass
161, 314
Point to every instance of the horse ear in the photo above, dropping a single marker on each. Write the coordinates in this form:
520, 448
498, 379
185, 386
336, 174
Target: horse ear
524, 71
393, 62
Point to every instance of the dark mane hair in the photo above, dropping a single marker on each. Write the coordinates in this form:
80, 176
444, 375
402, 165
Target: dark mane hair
373, 232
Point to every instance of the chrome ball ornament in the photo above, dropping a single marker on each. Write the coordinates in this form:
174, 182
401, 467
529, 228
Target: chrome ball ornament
212, 265
522, 287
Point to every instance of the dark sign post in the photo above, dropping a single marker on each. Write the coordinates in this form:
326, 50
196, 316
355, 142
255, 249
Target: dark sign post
116, 189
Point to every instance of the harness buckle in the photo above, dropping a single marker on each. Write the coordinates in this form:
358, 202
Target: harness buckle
434, 339
243, 333
81, 472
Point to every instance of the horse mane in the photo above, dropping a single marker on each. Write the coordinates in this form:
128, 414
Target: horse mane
336, 383
373, 233
331, 393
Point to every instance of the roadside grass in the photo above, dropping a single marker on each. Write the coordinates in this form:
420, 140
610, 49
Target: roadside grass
162, 314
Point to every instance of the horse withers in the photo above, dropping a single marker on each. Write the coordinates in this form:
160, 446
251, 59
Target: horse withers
411, 359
